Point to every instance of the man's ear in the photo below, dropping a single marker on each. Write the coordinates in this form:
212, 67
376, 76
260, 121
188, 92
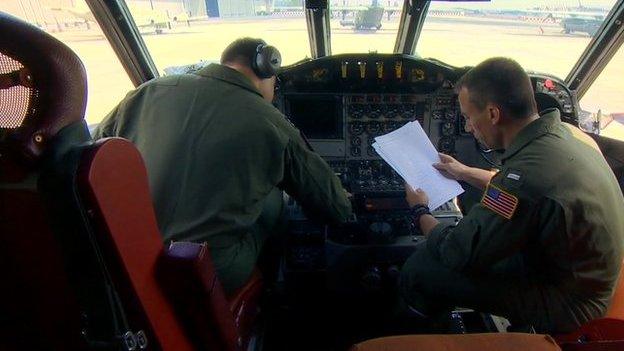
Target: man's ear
494, 114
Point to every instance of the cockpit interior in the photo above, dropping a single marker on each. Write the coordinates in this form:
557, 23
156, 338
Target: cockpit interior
80, 250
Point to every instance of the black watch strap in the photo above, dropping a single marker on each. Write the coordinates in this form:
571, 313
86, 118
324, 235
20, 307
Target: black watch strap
419, 210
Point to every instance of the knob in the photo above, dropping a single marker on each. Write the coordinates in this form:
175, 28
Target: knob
393, 271
371, 151
356, 128
448, 128
371, 279
381, 228
373, 128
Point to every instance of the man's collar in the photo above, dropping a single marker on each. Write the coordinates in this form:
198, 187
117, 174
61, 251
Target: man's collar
545, 124
229, 75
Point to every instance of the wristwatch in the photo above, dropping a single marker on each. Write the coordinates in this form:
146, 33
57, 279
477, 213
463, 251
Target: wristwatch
419, 210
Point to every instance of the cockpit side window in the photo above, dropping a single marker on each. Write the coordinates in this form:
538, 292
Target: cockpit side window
543, 36
73, 23
602, 106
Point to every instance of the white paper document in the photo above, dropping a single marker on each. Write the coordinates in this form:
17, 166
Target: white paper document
409, 151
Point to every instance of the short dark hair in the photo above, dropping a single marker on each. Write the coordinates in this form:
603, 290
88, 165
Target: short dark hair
241, 51
501, 81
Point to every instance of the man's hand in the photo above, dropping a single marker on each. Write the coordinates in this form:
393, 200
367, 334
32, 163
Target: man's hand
450, 167
415, 197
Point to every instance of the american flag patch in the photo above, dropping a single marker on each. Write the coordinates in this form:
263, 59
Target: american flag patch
499, 201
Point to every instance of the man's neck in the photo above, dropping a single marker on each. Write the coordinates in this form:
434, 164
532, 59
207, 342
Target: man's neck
246, 71
514, 127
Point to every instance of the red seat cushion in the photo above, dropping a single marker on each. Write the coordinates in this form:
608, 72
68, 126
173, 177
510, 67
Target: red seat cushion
461, 342
215, 321
597, 330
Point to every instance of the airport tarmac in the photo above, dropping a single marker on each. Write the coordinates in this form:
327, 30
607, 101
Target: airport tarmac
457, 41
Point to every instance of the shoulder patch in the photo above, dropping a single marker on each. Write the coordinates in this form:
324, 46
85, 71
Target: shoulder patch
499, 201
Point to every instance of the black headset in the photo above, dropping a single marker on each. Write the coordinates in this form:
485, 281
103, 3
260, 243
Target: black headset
267, 61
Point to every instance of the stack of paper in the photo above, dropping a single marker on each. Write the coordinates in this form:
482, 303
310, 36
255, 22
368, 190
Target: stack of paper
409, 151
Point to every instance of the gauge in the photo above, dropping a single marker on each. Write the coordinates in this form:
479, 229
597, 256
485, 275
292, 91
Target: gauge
371, 151
383, 110
356, 151
355, 111
373, 128
356, 128
390, 126
391, 111
446, 145
408, 111
374, 112
366, 109
448, 128
450, 115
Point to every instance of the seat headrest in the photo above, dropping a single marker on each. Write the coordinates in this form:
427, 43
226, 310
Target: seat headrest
43, 88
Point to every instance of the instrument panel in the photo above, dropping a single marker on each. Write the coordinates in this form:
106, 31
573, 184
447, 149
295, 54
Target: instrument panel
343, 102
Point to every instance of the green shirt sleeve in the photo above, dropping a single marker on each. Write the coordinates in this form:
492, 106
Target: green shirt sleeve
106, 127
310, 180
485, 236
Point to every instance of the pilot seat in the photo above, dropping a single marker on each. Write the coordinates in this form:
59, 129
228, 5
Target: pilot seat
80, 252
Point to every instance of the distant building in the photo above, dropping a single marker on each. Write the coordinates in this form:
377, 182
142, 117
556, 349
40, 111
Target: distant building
230, 8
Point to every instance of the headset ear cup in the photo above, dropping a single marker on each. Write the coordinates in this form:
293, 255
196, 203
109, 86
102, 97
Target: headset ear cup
268, 61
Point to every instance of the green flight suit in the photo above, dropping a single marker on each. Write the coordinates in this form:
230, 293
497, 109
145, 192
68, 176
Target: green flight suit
544, 246
217, 157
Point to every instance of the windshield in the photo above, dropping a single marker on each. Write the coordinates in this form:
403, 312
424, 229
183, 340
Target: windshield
364, 26
544, 36
184, 32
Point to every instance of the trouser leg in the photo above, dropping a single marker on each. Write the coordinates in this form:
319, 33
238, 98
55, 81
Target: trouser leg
271, 235
427, 285
235, 264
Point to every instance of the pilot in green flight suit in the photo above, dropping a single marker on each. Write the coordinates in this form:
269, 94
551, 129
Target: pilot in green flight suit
544, 245
218, 155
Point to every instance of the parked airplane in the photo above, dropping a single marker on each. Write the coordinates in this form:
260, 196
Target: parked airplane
157, 20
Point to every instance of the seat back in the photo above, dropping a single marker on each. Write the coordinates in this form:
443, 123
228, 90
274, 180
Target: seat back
113, 184
157, 287
79, 245
42, 103
67, 292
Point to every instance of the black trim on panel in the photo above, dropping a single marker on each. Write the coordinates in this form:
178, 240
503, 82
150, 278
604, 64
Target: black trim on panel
319, 31
410, 26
